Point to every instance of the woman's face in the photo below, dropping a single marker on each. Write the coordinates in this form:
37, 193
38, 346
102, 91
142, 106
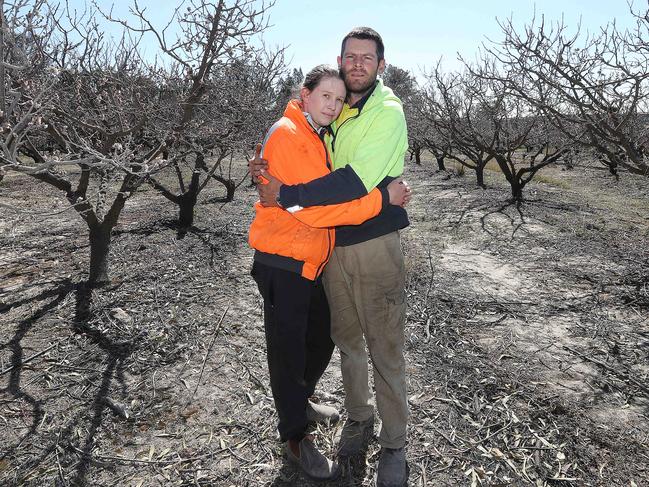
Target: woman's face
326, 100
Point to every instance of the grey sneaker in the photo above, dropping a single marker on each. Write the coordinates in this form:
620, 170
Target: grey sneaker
319, 413
393, 468
354, 436
312, 463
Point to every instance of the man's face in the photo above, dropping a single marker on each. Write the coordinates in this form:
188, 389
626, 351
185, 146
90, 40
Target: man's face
360, 65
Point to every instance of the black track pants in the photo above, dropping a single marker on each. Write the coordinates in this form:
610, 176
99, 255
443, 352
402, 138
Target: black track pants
298, 342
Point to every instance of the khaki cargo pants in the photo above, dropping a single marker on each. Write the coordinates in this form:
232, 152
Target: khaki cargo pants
365, 288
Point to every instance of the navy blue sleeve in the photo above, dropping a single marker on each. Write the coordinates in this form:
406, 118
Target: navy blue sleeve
386, 197
340, 186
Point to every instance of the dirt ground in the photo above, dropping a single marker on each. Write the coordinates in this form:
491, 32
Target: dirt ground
527, 341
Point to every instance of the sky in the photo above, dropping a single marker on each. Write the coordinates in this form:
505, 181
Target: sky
416, 33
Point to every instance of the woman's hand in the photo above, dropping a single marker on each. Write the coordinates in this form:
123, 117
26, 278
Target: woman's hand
256, 165
399, 192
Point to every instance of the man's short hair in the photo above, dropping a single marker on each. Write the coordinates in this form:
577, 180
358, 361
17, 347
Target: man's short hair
365, 33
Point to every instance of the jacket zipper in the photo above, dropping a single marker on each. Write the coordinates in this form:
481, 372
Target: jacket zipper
329, 252
327, 160
335, 134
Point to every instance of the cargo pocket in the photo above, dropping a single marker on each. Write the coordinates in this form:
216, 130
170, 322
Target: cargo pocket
395, 310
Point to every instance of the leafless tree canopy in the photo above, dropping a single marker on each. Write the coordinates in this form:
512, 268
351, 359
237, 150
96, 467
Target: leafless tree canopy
593, 88
540, 95
96, 118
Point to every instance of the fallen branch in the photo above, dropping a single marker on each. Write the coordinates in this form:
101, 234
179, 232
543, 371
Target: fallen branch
9, 369
624, 375
209, 349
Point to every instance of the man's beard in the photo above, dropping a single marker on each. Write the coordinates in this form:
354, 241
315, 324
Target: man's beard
359, 86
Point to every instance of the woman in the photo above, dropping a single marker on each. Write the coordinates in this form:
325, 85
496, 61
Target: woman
291, 249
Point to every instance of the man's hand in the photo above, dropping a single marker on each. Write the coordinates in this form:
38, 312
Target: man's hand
256, 165
399, 192
269, 191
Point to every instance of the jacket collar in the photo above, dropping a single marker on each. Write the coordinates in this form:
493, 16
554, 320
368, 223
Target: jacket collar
361, 103
319, 130
296, 115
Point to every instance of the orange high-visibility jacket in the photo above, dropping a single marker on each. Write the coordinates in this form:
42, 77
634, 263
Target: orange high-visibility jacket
302, 239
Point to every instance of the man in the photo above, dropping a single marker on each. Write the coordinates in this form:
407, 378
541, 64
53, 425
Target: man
365, 277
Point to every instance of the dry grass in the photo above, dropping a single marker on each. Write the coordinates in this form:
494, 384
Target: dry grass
552, 181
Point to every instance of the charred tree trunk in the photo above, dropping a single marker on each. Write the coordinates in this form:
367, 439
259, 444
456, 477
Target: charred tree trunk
187, 200
513, 178
99, 254
479, 174
517, 188
101, 229
230, 188
612, 168
416, 151
440, 163
186, 205
611, 162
